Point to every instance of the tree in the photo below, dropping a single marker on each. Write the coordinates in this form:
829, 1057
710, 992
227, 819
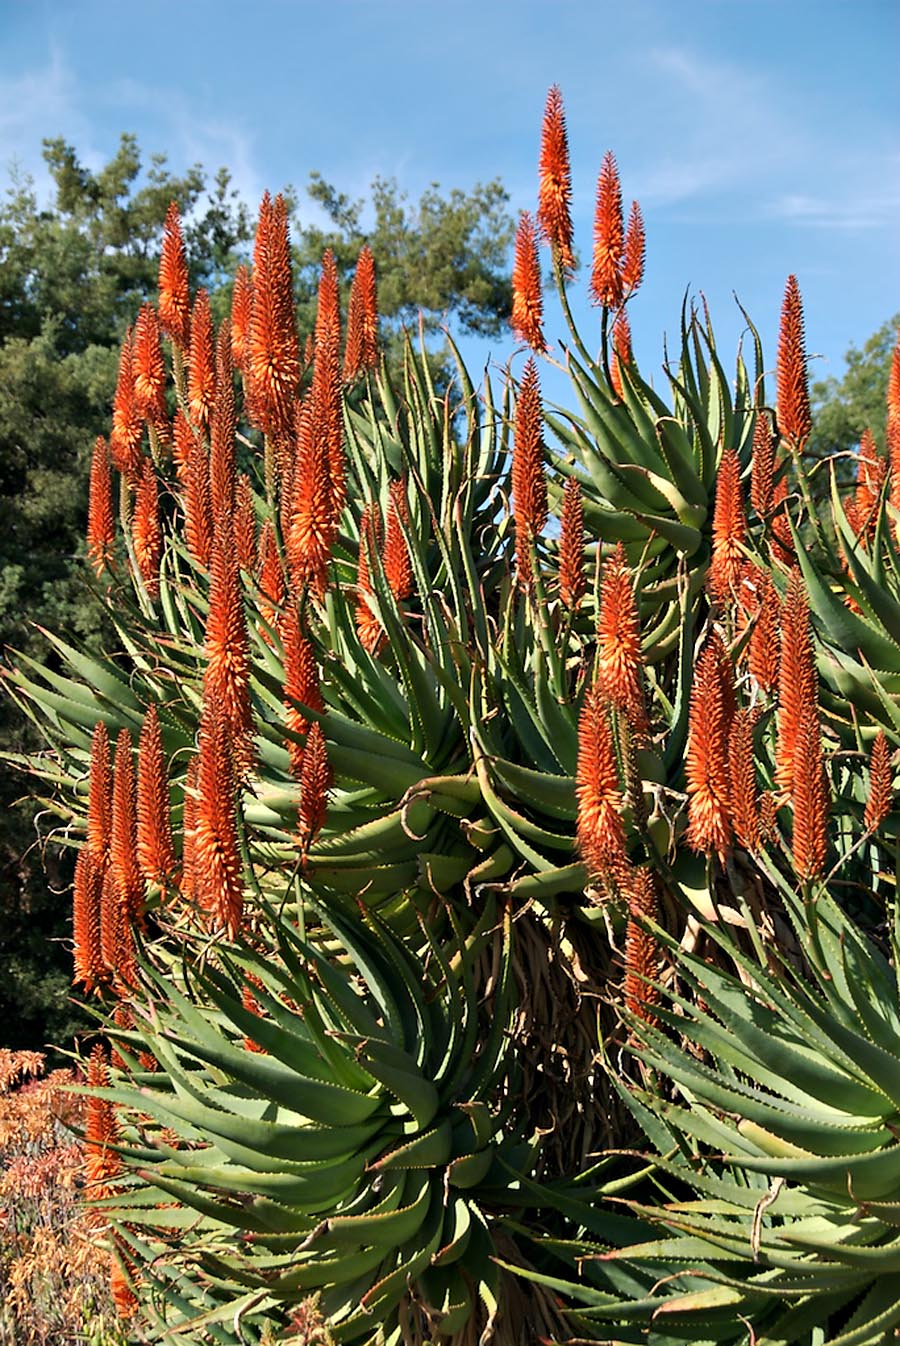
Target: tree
843, 408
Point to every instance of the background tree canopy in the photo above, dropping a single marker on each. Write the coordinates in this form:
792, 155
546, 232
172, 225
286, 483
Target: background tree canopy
72, 273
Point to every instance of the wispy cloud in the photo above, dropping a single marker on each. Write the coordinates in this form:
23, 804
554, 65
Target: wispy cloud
39, 103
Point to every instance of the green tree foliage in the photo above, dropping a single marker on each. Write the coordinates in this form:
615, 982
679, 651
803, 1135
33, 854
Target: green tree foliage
843, 408
73, 272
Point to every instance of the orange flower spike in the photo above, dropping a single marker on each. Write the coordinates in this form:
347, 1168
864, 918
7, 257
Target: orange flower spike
127, 423
528, 303
174, 287
146, 530
127, 880
197, 504
101, 1130
621, 351
893, 422
99, 816
227, 678
271, 574
797, 678
572, 581
762, 468
101, 529
216, 861
529, 482
729, 530
398, 569
555, 189
327, 404
368, 290
156, 850
871, 470
183, 441
272, 358
301, 683
241, 311
123, 1297
353, 366
619, 642
202, 363
794, 417
635, 248
744, 796
781, 543
609, 236
706, 767
188, 882
149, 370
765, 638
643, 956
881, 783
600, 832
245, 523
368, 624
222, 472
312, 517
809, 789
315, 782
86, 898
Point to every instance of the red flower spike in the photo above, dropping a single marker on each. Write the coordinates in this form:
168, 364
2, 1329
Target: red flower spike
797, 678
781, 543
600, 831
315, 782
188, 884
99, 816
794, 418
312, 518
643, 956
706, 766
222, 472
227, 679
368, 624
893, 422
619, 642
871, 471
101, 1130
327, 403
301, 683
809, 790
621, 351
353, 367
765, 639
528, 303
101, 529
555, 189
202, 363
271, 575
174, 288
128, 885
245, 523
572, 581
146, 530
123, 1297
156, 850
529, 482
729, 530
609, 236
183, 441
762, 468
361, 351
272, 358
216, 862
86, 899
744, 796
149, 370
881, 783
635, 247
241, 311
127, 423
398, 569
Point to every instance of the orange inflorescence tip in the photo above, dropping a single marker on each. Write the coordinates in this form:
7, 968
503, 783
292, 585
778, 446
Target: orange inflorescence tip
572, 580
809, 791
271, 575
621, 350
272, 357
609, 236
156, 850
361, 352
729, 530
706, 767
527, 303
101, 1130
744, 795
368, 623
86, 900
146, 530
797, 678
301, 683
635, 248
881, 783
241, 312
765, 638
600, 831
222, 472
244, 523
227, 679
149, 370
313, 522
174, 288
794, 417
127, 422
529, 483
762, 466
315, 783
101, 530
202, 363
643, 956
619, 661
555, 188
398, 569
217, 873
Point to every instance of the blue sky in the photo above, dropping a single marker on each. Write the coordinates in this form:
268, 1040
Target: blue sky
760, 137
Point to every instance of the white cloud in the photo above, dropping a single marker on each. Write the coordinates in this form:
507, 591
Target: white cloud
36, 104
